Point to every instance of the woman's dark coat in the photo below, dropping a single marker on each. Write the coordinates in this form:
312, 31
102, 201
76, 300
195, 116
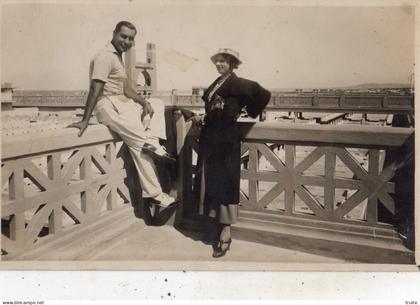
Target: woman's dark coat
219, 142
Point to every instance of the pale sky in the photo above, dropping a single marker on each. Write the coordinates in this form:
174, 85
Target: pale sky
49, 46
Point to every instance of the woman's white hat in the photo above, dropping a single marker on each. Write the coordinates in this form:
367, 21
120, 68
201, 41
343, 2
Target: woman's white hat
222, 51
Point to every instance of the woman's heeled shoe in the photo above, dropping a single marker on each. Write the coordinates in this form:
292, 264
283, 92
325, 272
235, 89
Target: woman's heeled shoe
219, 252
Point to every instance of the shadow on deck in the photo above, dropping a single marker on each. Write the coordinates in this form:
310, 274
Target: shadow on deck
121, 236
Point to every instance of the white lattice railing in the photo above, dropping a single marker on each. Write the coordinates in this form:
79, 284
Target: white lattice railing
54, 181
328, 175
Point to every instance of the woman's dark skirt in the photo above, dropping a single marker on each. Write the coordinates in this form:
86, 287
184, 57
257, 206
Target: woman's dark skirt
219, 165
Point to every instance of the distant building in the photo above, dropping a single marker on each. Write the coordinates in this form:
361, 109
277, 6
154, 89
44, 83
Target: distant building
6, 96
198, 90
142, 75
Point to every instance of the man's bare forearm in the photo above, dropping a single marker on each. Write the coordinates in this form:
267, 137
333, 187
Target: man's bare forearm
95, 91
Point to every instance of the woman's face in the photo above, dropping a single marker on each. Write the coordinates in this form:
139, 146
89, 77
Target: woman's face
222, 65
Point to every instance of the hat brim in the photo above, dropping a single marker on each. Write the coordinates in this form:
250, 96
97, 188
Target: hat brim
213, 58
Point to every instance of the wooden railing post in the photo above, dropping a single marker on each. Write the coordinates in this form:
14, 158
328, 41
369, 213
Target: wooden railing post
253, 168
290, 155
184, 158
16, 192
54, 165
55, 220
372, 205
111, 156
87, 195
329, 190
174, 97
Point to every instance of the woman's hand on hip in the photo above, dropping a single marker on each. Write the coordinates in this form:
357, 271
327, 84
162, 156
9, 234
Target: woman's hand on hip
197, 119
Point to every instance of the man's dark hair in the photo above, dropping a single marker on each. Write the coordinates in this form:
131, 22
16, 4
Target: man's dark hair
126, 24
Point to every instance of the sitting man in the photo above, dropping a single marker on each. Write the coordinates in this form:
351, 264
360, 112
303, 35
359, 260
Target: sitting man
120, 108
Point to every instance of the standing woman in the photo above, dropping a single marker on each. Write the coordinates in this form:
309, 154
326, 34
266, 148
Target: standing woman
218, 166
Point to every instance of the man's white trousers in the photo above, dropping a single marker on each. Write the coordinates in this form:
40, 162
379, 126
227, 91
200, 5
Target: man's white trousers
124, 117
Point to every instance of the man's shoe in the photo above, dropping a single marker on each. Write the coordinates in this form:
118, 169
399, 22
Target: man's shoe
164, 201
158, 152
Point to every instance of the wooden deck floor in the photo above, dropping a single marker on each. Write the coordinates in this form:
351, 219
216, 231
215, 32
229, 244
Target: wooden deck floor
127, 238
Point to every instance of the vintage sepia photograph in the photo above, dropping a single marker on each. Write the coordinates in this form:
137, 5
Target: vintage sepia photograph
208, 135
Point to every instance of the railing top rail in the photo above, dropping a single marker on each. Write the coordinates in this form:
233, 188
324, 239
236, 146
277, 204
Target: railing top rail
30, 144
362, 136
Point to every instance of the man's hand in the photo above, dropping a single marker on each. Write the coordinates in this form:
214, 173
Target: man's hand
148, 109
95, 91
131, 93
82, 125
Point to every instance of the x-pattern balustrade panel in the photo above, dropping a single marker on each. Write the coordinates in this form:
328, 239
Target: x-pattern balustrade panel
326, 182
333, 183
50, 193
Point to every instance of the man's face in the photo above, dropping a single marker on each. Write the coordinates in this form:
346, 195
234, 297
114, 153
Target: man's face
124, 39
